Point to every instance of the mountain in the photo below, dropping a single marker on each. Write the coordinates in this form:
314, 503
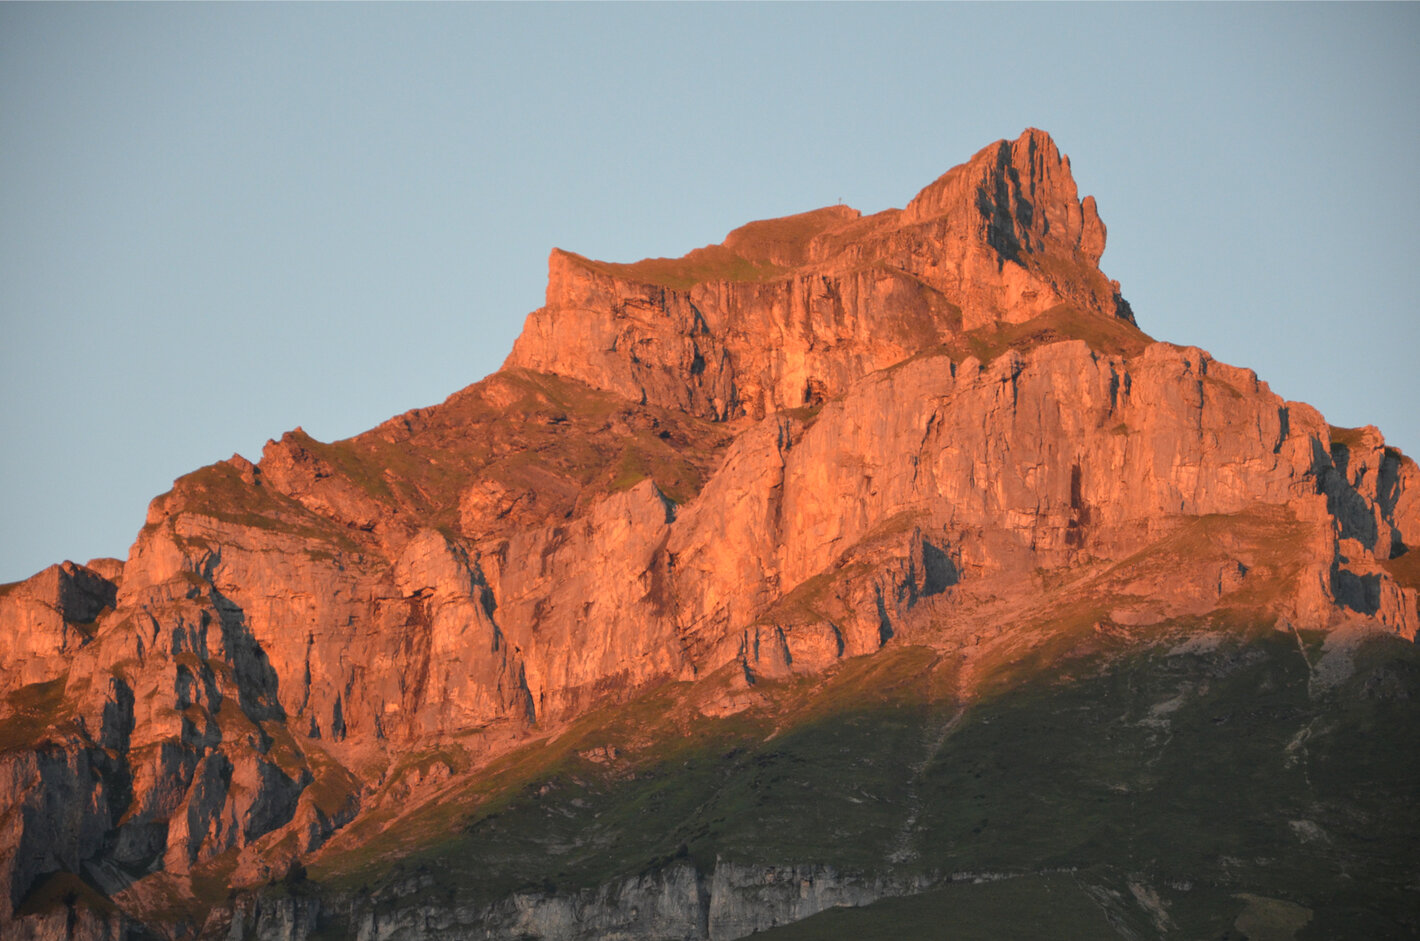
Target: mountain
875, 561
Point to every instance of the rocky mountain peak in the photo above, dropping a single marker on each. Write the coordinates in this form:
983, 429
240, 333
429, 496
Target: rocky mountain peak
909, 495
790, 311
1020, 197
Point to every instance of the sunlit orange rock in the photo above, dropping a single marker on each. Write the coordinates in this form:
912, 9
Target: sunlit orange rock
829, 433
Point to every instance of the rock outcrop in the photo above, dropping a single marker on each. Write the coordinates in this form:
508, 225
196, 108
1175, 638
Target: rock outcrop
827, 434
52, 614
731, 901
790, 312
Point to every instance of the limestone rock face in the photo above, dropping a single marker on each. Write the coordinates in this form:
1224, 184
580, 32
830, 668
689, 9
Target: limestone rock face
50, 614
791, 311
828, 434
731, 901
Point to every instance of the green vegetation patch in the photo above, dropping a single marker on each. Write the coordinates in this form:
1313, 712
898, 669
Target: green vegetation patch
711, 263
334, 788
1267, 919
1164, 786
31, 711
1405, 569
645, 457
680, 785
218, 491
1349, 438
1108, 335
547, 443
1223, 769
60, 891
1053, 907
787, 237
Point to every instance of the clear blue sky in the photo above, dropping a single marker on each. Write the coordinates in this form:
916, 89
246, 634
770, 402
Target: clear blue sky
218, 222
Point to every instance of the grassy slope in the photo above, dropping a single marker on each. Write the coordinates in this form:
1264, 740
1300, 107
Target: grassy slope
565, 442
1257, 809
1108, 336
516, 425
1224, 783
745, 256
29, 712
1052, 907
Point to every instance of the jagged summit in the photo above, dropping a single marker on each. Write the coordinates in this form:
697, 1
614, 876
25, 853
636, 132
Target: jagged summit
790, 311
1020, 197
1017, 196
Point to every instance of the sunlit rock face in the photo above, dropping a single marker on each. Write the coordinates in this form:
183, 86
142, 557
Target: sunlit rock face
828, 435
791, 312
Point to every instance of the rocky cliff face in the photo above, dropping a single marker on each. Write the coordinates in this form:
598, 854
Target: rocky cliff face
732, 901
791, 312
830, 434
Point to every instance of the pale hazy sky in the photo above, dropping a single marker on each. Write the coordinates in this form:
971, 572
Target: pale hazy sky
218, 222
